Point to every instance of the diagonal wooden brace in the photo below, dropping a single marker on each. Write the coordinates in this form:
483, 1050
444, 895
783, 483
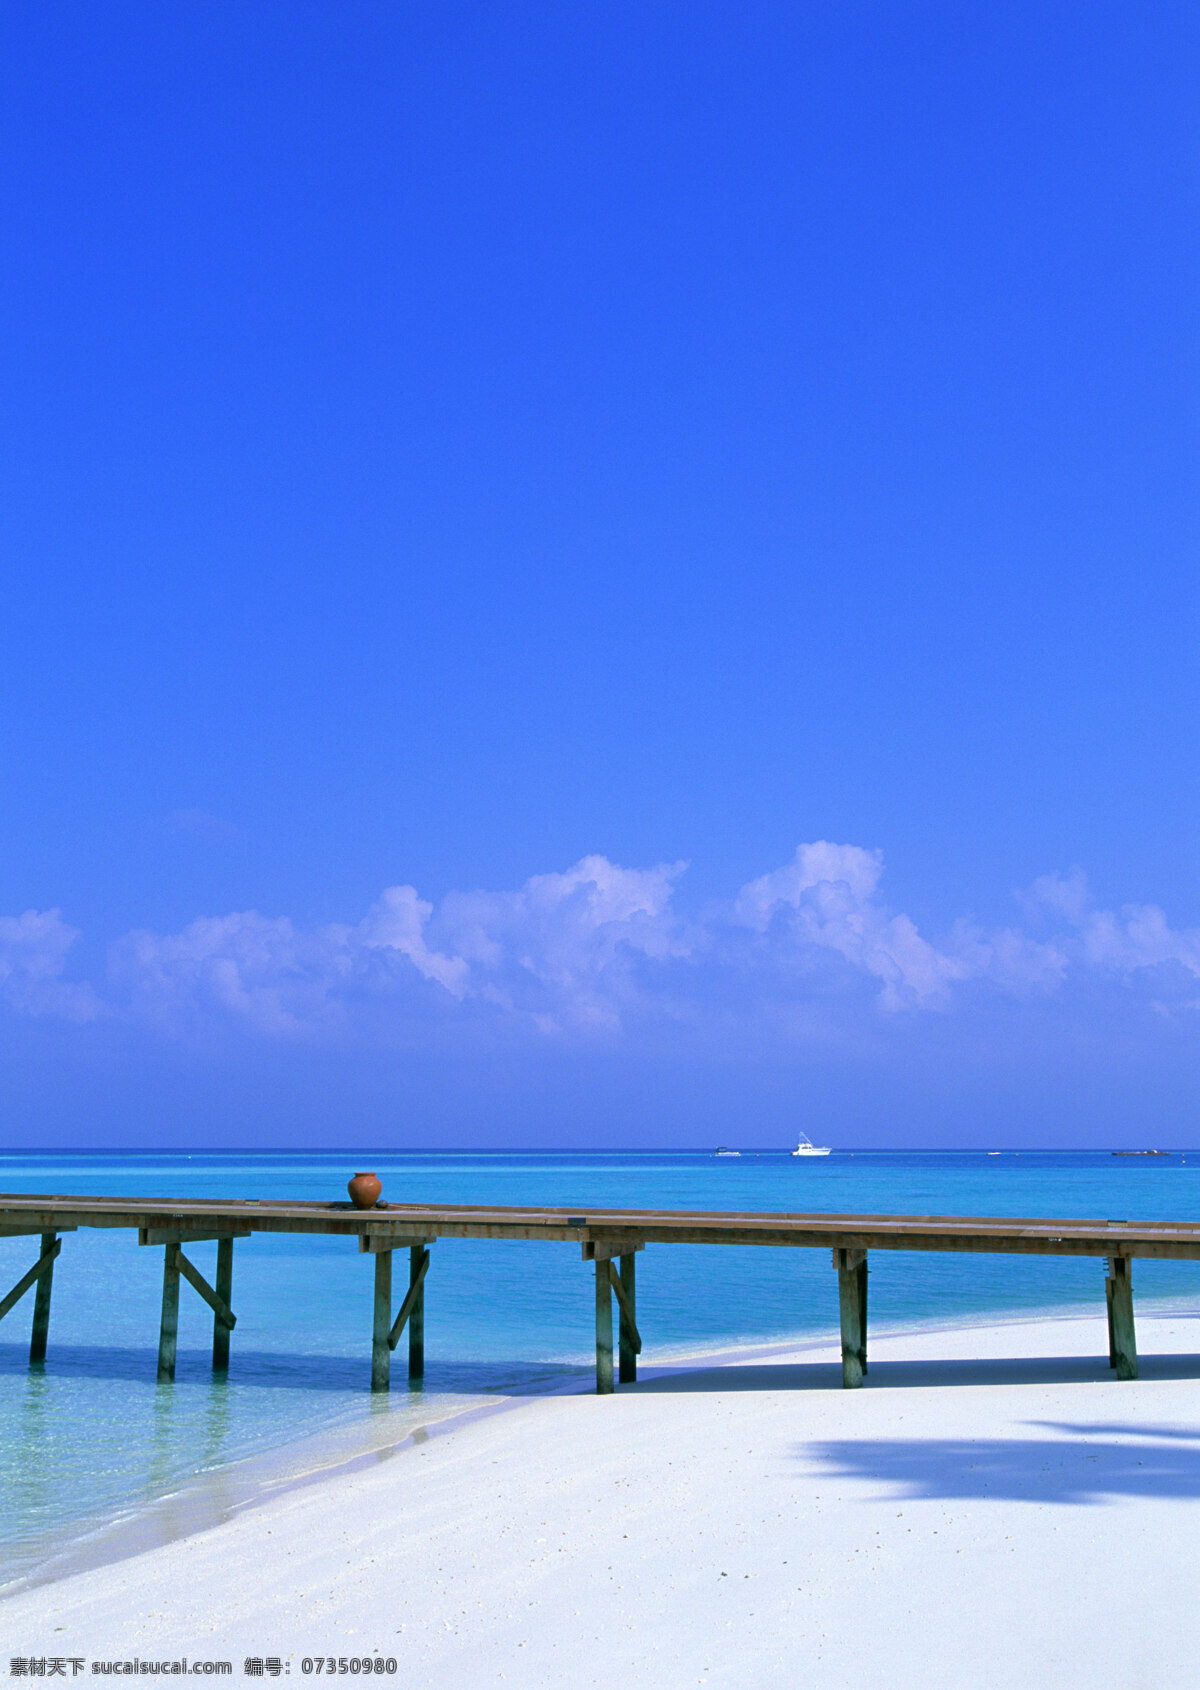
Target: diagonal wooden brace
409, 1303
626, 1310
197, 1281
41, 1266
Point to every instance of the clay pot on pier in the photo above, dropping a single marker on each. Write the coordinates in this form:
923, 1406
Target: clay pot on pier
364, 1190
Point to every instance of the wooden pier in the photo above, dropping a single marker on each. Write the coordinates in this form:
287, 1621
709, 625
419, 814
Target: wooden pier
610, 1239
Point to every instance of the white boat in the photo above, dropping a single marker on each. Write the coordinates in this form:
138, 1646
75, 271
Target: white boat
806, 1147
722, 1151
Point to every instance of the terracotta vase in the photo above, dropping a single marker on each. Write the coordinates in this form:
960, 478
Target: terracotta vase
364, 1190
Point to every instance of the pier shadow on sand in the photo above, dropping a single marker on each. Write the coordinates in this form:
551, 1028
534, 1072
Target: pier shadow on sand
914, 1375
1083, 1467
345, 1374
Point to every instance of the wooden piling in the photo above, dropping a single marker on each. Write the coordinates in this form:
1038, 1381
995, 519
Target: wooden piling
41, 1299
604, 1331
224, 1289
1123, 1338
608, 1237
627, 1368
381, 1355
862, 1304
852, 1275
168, 1331
417, 1260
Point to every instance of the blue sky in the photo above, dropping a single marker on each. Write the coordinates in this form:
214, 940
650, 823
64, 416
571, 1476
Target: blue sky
461, 465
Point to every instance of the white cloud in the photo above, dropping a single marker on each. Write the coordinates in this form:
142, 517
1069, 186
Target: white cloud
279, 979
566, 948
1009, 960
1137, 937
561, 951
826, 899
600, 949
254, 969
397, 924
33, 954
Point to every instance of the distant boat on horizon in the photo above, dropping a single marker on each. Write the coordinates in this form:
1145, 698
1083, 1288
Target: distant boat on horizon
806, 1147
722, 1150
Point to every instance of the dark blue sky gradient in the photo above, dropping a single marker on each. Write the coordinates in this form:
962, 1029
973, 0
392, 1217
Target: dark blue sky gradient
440, 443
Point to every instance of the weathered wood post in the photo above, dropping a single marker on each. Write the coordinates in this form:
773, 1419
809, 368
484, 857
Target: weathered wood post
224, 1289
1122, 1337
41, 1300
604, 1331
177, 1266
1108, 1290
168, 1332
627, 1371
862, 1304
381, 1354
417, 1256
851, 1268
387, 1332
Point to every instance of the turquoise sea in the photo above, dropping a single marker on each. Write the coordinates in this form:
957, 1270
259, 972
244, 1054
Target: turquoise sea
89, 1439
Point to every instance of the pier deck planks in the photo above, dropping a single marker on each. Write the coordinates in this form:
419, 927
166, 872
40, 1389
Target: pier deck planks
605, 1235
1005, 1235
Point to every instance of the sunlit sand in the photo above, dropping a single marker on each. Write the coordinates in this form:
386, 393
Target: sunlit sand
992, 1509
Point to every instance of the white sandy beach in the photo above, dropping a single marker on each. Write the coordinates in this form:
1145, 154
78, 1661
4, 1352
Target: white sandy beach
991, 1510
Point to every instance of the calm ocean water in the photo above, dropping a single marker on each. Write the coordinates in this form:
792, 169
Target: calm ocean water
90, 1437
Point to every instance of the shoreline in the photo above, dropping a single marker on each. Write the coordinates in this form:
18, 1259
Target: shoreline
216, 1497
729, 1524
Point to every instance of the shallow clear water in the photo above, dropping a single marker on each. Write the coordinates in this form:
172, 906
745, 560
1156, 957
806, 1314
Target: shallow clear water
89, 1435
